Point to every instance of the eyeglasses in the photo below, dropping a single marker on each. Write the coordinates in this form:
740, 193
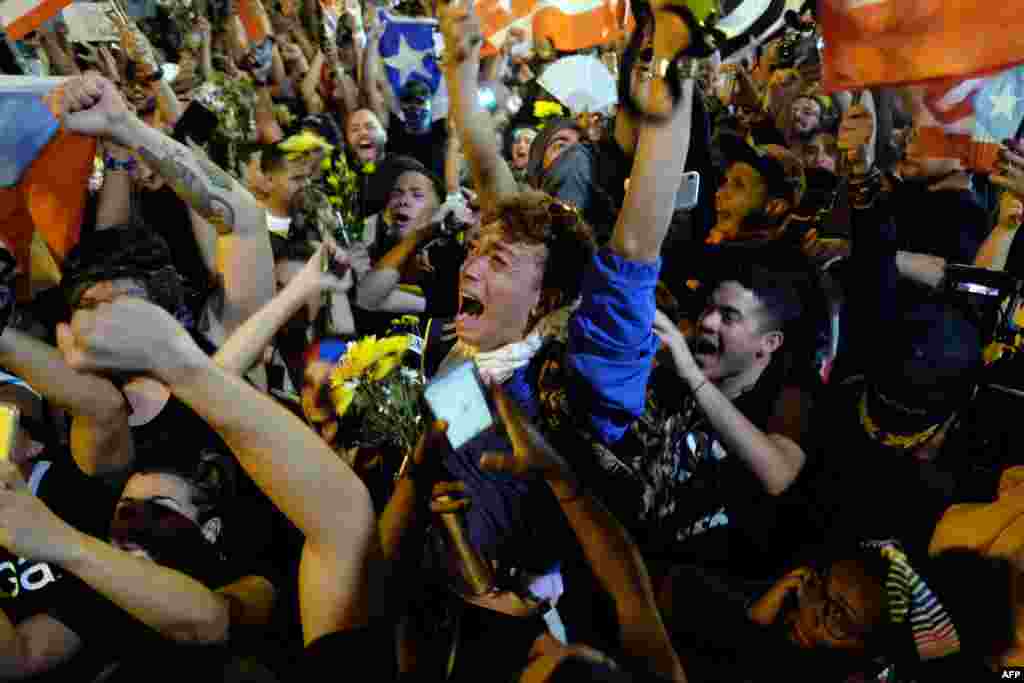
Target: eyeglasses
834, 615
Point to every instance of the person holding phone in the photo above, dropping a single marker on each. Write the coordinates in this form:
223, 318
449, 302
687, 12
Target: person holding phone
517, 303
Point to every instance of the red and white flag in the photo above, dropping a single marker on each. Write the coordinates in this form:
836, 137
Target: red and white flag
21, 17
895, 42
968, 119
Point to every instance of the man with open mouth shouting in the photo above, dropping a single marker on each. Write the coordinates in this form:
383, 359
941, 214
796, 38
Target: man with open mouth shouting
535, 293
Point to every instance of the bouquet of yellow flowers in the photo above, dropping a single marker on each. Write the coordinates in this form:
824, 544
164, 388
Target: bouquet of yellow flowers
376, 396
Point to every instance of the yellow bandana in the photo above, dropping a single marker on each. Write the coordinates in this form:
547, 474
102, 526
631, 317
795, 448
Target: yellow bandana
891, 439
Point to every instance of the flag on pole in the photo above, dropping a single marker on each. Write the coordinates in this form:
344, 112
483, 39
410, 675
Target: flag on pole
21, 17
968, 119
44, 169
887, 42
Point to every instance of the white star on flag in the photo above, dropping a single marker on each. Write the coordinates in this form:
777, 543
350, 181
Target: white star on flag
1004, 104
406, 61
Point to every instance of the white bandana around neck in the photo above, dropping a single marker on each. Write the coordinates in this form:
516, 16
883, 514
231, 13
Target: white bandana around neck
500, 364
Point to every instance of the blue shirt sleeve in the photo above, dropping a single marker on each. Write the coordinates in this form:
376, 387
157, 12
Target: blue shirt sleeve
612, 342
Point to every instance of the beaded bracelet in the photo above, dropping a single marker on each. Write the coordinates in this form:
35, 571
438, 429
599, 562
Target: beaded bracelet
112, 164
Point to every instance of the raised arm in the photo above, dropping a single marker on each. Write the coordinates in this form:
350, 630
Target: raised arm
93, 106
463, 40
660, 156
612, 555
101, 440
244, 348
372, 68
311, 84
297, 470
114, 205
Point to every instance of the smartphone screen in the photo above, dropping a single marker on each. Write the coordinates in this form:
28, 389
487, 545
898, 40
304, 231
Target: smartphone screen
689, 191
458, 398
8, 429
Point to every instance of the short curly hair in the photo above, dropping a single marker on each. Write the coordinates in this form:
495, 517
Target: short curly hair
534, 217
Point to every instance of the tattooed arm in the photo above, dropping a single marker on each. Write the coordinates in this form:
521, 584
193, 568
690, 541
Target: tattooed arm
207, 189
93, 106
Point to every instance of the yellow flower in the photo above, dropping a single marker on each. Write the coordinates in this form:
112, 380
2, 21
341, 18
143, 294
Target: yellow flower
543, 109
409, 320
341, 397
326, 164
370, 358
369, 167
303, 143
391, 349
334, 201
333, 181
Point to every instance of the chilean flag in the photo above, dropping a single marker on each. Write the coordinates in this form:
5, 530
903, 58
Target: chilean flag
21, 17
44, 169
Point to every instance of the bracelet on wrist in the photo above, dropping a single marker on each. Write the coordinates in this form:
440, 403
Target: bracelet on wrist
700, 386
118, 165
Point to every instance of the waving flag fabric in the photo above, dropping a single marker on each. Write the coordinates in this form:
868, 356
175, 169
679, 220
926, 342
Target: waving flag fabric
44, 170
254, 20
968, 119
568, 24
20, 17
879, 42
407, 50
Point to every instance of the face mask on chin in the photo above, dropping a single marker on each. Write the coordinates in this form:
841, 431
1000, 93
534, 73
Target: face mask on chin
418, 118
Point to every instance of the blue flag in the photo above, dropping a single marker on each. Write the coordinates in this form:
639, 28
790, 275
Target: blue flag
29, 126
407, 50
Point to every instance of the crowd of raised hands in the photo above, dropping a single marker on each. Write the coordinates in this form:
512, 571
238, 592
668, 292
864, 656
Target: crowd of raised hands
740, 416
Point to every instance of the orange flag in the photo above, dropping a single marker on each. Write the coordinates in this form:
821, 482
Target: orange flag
20, 17
568, 24
885, 42
51, 171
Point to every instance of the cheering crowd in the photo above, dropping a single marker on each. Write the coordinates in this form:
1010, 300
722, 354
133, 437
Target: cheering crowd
751, 394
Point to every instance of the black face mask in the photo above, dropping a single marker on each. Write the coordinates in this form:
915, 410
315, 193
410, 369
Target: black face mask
169, 537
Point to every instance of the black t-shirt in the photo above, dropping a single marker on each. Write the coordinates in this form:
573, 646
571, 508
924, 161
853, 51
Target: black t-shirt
167, 215
373, 645
429, 149
681, 494
858, 488
32, 588
947, 223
